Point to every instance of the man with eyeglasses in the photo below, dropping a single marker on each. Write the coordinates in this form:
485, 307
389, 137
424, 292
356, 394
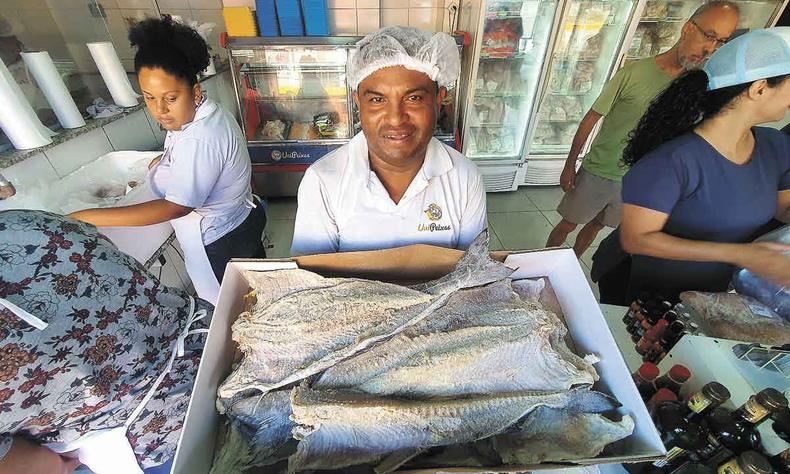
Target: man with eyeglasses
592, 195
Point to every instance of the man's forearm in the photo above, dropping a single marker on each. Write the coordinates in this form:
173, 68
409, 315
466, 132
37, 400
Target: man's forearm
582, 134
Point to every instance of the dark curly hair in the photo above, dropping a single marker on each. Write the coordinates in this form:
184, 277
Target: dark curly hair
676, 111
171, 46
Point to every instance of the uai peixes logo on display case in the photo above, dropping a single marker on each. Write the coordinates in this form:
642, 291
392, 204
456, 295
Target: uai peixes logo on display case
289, 154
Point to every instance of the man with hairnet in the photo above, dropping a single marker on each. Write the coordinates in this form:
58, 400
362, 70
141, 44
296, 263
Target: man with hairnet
393, 184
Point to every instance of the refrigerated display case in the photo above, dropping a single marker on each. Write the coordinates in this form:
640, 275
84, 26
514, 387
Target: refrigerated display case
591, 34
295, 104
511, 38
661, 20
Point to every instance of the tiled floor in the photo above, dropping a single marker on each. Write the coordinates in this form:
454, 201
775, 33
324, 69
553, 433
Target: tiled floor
518, 220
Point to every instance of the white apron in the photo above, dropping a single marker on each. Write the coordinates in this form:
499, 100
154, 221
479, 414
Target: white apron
108, 451
190, 237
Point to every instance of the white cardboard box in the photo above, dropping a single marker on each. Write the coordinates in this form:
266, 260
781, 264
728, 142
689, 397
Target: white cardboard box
585, 323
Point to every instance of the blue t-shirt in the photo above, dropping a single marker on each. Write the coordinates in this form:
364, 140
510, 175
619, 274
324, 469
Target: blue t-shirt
708, 198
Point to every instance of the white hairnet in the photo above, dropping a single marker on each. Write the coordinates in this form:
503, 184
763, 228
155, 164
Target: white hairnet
758, 54
436, 55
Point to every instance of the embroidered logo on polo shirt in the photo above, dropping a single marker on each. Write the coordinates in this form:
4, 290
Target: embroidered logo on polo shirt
434, 212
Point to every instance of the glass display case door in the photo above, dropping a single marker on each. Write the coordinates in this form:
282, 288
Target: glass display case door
515, 36
661, 20
585, 51
293, 94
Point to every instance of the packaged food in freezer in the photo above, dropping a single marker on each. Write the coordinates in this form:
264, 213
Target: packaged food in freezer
501, 37
656, 9
592, 47
275, 130
299, 131
583, 77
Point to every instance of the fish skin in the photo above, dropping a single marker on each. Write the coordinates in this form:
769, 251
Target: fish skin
446, 354
475, 268
341, 428
258, 434
281, 283
271, 339
301, 331
554, 435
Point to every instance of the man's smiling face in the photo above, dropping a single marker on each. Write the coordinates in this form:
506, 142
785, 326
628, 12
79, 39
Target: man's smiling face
398, 109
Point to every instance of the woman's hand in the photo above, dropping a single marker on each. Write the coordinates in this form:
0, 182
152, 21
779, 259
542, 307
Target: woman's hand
568, 178
767, 260
30, 458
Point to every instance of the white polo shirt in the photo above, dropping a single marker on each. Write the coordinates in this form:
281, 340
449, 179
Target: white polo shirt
343, 206
206, 166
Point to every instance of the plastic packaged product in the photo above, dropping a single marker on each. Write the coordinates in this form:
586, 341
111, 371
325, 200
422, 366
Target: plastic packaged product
656, 9
736, 317
775, 297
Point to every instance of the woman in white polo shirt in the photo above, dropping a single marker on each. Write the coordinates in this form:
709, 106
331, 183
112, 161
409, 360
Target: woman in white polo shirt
202, 181
393, 184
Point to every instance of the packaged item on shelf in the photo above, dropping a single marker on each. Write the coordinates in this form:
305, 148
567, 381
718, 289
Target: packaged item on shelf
501, 36
544, 134
556, 110
643, 379
299, 131
583, 77
655, 9
666, 36
760, 406
680, 437
736, 317
700, 403
240, 21
275, 130
774, 296
674, 378
573, 107
592, 48
564, 132
661, 396
749, 462
680, 9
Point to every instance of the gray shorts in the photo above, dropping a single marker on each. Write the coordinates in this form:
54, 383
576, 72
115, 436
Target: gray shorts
592, 195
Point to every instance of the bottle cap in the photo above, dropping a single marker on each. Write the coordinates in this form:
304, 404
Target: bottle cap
717, 392
771, 399
648, 371
664, 395
679, 373
754, 463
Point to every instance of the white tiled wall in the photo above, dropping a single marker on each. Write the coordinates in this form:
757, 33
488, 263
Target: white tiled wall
132, 133
370, 15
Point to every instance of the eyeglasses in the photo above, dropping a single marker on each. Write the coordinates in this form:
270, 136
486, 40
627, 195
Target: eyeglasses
710, 36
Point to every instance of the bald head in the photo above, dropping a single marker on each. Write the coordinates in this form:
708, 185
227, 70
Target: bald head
708, 29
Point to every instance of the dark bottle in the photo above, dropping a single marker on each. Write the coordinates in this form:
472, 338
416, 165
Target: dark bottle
659, 397
749, 462
674, 378
781, 462
680, 437
781, 424
694, 468
643, 379
653, 317
726, 437
636, 306
706, 400
760, 406
671, 316
651, 336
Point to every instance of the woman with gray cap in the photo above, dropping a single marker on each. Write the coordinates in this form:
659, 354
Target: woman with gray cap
393, 184
704, 179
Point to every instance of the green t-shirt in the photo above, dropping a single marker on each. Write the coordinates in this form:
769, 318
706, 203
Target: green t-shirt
623, 101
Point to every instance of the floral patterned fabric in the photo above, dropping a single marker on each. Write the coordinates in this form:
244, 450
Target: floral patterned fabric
111, 330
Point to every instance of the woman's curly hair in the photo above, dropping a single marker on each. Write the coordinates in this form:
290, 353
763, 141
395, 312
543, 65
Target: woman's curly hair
678, 109
171, 46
